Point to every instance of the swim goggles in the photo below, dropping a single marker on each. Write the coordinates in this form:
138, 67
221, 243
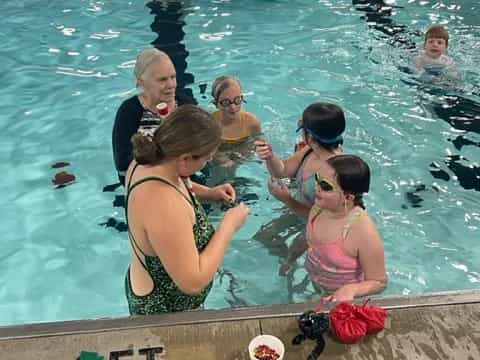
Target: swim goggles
227, 102
319, 138
324, 183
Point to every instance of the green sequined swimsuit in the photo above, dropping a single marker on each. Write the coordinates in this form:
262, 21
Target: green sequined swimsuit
165, 295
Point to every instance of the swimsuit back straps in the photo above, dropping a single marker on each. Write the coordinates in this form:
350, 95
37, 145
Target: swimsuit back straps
351, 220
305, 188
346, 227
136, 248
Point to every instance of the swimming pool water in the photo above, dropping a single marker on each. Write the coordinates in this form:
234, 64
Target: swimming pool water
67, 66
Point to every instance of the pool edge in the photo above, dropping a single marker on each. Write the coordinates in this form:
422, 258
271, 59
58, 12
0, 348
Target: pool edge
11, 332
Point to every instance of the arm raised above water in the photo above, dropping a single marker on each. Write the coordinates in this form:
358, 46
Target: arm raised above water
276, 167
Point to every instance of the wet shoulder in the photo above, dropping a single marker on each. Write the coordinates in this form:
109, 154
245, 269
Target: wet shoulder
362, 225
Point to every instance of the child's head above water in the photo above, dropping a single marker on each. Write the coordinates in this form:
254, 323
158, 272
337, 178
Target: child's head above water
349, 174
324, 123
352, 173
227, 90
436, 41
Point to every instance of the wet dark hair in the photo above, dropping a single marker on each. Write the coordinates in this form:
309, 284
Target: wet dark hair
353, 176
188, 129
326, 121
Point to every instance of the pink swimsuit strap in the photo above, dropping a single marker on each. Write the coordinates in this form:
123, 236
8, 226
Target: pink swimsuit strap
346, 228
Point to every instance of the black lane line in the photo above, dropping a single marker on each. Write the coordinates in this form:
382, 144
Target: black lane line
168, 25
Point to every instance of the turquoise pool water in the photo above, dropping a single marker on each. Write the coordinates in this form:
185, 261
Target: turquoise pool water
68, 65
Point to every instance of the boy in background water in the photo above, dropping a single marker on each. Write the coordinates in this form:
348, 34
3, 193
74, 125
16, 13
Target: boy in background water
433, 59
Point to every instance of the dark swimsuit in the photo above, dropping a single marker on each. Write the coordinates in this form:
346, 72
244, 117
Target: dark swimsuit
165, 295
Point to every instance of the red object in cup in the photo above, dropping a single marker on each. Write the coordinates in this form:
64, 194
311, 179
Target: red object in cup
265, 352
162, 109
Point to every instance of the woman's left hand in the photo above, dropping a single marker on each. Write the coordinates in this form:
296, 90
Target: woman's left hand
224, 192
279, 190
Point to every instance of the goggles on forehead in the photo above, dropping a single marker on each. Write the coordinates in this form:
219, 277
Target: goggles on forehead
319, 138
227, 102
324, 183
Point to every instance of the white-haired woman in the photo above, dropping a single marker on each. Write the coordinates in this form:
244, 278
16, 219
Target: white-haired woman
156, 76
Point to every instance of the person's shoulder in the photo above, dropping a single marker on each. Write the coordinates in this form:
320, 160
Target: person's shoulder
131, 104
252, 121
132, 101
168, 201
364, 227
159, 201
249, 116
154, 188
128, 115
301, 154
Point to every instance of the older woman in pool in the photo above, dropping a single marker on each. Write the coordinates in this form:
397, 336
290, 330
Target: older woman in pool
156, 76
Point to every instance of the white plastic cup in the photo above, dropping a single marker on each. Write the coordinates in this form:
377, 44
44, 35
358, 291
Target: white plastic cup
269, 340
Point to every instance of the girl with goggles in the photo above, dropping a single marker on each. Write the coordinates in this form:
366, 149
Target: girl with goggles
238, 129
345, 254
237, 125
322, 126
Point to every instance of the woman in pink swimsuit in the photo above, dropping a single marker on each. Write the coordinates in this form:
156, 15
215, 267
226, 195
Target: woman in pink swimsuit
345, 254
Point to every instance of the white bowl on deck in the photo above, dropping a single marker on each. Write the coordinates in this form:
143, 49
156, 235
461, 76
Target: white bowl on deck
269, 340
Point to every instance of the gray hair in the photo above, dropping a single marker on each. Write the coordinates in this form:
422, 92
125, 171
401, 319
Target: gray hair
146, 58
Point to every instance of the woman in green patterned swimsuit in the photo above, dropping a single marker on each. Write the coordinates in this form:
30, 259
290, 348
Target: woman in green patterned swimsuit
175, 251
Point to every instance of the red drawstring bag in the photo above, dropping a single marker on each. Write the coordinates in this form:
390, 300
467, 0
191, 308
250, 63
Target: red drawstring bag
345, 324
373, 316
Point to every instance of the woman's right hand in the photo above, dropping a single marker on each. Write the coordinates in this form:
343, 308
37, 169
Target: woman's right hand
263, 149
236, 216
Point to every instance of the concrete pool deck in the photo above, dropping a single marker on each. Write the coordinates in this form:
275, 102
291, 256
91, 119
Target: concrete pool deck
430, 326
